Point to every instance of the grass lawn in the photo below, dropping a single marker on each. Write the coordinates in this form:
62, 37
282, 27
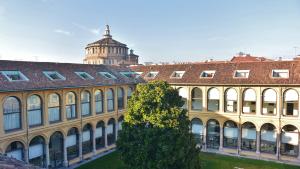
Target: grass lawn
209, 161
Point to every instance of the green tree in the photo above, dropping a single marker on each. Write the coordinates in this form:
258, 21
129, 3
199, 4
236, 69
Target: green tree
155, 133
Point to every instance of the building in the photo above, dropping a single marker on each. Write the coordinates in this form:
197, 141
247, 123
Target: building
108, 51
247, 108
57, 114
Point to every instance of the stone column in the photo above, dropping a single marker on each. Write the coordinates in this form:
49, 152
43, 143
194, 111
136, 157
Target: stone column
105, 135
26, 158
63, 106
257, 142
94, 141
278, 146
221, 99
298, 146
239, 140
204, 137
65, 153
221, 138
47, 155
80, 146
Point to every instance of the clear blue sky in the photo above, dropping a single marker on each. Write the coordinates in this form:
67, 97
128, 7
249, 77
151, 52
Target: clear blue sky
158, 30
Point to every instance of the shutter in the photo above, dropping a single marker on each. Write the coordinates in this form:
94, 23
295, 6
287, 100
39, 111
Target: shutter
268, 135
98, 133
249, 95
71, 140
230, 132
290, 138
270, 95
213, 94
291, 95
231, 95
249, 134
36, 151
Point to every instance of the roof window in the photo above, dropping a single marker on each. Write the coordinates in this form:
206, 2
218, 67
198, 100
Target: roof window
241, 73
84, 75
208, 74
280, 73
151, 75
14, 76
108, 75
130, 74
177, 74
54, 75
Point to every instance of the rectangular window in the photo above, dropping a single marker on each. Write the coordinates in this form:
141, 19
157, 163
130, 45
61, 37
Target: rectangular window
177, 74
107, 75
84, 75
53, 75
208, 74
14, 76
280, 73
151, 75
241, 74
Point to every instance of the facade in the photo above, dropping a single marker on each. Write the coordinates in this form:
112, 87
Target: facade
56, 114
247, 108
108, 51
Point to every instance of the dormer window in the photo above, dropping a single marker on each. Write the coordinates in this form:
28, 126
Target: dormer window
107, 75
53, 75
177, 74
138, 74
241, 73
151, 75
280, 73
14, 76
84, 75
208, 74
130, 74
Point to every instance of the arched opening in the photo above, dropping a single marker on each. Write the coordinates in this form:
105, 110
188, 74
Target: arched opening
249, 101
11, 113
120, 94
290, 103
34, 111
100, 135
110, 100
87, 139
85, 103
99, 101
248, 137
129, 92
197, 130
54, 108
56, 151
213, 134
15, 150
289, 141
230, 102
213, 99
111, 132
197, 99
184, 95
71, 105
230, 138
268, 138
269, 101
37, 154
72, 143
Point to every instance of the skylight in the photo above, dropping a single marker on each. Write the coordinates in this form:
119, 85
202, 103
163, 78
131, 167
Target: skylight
107, 75
84, 75
241, 73
151, 75
130, 74
208, 74
280, 73
177, 74
14, 76
53, 75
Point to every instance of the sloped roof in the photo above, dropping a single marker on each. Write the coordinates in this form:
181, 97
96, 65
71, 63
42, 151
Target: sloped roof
107, 41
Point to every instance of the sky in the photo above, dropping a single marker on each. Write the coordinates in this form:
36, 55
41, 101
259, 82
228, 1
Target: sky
157, 30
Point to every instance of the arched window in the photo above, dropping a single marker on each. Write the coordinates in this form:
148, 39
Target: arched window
87, 139
56, 151
100, 135
196, 99
111, 131
268, 138
289, 141
53, 108
249, 101
248, 136
213, 99
34, 111
291, 103
11, 113
230, 138
230, 102
269, 102
37, 154
120, 122
197, 130
120, 94
110, 100
15, 150
183, 92
85, 103
71, 105
129, 92
213, 134
72, 143
98, 101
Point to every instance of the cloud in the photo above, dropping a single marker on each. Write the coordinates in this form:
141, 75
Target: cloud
95, 31
64, 32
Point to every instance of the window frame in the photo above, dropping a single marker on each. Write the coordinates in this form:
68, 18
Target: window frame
181, 73
241, 71
207, 71
107, 73
22, 76
280, 71
87, 74
47, 74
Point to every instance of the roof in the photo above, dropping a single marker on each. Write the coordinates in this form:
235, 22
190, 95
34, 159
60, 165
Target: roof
260, 73
247, 58
37, 80
107, 41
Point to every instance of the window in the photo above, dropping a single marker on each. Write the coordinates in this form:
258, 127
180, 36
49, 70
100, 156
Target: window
14, 76
268, 138
138, 74
85, 103
208, 74
230, 102
230, 138
196, 99
269, 99
71, 105
120, 98
177, 74
53, 75
53, 108
110, 100
15, 150
183, 92
72, 143
213, 99
34, 110
197, 130
151, 75
130, 74
12, 113
249, 101
107, 75
99, 135
84, 75
290, 103
111, 131
248, 137
129, 92
99, 101
87, 139
289, 141
241, 73
280, 73
213, 134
